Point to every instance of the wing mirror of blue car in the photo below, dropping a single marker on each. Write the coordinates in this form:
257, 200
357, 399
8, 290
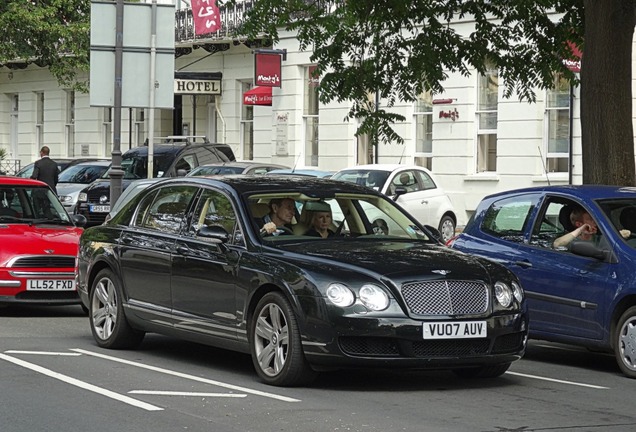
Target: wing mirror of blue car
215, 233
590, 250
181, 172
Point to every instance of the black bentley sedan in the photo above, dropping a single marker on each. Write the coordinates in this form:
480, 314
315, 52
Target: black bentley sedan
210, 260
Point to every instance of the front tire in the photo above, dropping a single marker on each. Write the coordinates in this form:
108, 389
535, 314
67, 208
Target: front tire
625, 343
106, 314
275, 344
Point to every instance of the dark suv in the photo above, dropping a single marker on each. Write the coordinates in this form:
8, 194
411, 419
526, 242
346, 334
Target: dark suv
172, 157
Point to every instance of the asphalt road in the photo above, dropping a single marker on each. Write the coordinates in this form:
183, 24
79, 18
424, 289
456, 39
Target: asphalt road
54, 378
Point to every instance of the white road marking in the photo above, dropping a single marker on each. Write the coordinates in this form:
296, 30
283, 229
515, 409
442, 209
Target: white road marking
175, 393
81, 384
187, 376
49, 353
558, 381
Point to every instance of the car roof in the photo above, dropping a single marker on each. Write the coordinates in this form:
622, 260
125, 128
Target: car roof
19, 181
301, 172
383, 167
97, 162
579, 191
247, 184
170, 148
241, 164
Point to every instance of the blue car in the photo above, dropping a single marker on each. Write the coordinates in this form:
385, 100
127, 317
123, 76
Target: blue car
583, 294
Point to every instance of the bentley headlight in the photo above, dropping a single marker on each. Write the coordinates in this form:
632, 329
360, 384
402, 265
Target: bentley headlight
65, 198
83, 197
503, 294
340, 295
517, 291
374, 297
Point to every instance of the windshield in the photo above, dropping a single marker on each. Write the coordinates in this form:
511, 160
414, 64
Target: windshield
299, 217
30, 204
135, 166
82, 173
622, 214
370, 178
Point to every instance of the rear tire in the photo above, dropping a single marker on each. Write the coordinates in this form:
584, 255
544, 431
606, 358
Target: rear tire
275, 344
106, 314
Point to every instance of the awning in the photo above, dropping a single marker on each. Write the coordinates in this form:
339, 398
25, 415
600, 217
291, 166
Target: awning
258, 96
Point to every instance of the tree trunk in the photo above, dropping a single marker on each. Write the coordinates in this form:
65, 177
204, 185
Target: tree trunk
606, 93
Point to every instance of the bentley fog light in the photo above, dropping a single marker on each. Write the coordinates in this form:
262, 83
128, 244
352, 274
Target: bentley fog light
374, 297
503, 294
517, 291
83, 197
340, 295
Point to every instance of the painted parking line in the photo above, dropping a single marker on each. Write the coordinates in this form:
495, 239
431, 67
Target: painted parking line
558, 381
195, 394
45, 353
81, 384
188, 376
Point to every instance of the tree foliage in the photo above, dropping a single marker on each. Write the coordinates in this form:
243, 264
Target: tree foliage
49, 33
401, 48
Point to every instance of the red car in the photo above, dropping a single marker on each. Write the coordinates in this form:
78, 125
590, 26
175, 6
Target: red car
39, 244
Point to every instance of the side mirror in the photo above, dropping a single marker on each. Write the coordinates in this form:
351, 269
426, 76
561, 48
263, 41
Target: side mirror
79, 220
399, 190
588, 249
434, 233
181, 172
215, 233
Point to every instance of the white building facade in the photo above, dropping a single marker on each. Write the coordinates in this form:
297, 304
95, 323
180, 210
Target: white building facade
475, 141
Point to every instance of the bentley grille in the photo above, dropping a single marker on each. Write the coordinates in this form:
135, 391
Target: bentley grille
446, 297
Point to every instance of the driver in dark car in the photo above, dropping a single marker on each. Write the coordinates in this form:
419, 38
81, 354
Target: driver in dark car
278, 221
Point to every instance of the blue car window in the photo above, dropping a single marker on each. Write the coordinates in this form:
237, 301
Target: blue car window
507, 218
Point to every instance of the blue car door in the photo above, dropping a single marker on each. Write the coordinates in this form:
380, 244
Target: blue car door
565, 291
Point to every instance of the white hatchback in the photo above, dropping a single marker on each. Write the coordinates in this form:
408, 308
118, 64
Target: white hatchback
412, 187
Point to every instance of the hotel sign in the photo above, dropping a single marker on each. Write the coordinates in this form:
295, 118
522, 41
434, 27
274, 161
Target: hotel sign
197, 86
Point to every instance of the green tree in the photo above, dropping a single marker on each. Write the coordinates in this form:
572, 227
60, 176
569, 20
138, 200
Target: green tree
401, 48
49, 33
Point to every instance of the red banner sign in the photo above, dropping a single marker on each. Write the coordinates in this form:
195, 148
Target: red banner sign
267, 69
574, 64
207, 17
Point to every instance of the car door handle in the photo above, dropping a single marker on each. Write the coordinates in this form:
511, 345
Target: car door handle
524, 264
424, 202
183, 250
127, 239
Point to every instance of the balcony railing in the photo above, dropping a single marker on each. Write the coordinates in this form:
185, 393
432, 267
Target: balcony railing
232, 17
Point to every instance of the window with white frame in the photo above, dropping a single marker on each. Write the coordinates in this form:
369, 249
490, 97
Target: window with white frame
486, 117
247, 125
557, 125
140, 119
39, 120
310, 115
69, 127
424, 130
107, 131
15, 109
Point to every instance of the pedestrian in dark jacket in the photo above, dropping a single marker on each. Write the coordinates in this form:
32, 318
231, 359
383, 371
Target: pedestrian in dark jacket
45, 169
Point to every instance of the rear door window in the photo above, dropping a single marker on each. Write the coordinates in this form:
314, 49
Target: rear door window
508, 219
